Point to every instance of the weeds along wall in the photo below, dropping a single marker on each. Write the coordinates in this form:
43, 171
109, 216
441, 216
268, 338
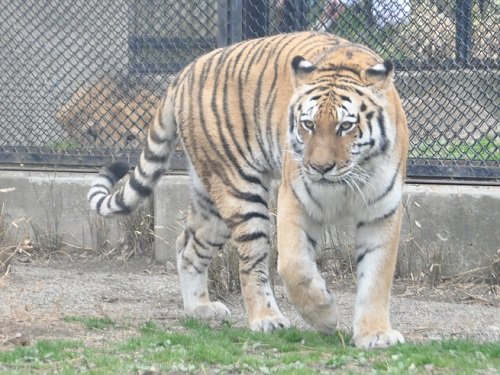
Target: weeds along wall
447, 230
46, 214
79, 80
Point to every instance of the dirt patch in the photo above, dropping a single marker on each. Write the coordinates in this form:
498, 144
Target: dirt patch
35, 297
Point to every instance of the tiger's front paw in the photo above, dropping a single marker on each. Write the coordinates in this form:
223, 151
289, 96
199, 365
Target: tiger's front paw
316, 306
381, 339
269, 323
211, 311
323, 318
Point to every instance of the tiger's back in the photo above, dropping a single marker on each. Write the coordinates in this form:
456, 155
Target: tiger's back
232, 105
235, 100
312, 109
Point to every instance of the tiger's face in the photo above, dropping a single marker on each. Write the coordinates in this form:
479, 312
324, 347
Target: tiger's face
330, 128
105, 114
335, 129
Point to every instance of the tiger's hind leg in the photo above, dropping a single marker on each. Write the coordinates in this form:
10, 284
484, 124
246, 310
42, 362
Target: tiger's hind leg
248, 219
244, 209
253, 251
215, 216
204, 236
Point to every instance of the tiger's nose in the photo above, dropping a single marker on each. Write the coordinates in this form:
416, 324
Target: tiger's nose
322, 168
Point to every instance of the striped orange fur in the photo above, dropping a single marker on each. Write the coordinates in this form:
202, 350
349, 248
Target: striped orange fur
312, 110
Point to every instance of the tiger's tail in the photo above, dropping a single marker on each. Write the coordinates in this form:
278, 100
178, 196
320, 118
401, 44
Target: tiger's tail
160, 145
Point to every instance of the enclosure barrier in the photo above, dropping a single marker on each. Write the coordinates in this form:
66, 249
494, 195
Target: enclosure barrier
79, 79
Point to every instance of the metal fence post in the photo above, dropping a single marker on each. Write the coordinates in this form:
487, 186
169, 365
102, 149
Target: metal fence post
255, 18
301, 14
229, 22
236, 21
463, 39
294, 15
222, 23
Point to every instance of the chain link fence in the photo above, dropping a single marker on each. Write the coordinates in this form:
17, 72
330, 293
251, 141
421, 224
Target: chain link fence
79, 79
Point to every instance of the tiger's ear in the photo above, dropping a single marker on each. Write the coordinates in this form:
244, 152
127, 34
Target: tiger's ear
379, 75
302, 67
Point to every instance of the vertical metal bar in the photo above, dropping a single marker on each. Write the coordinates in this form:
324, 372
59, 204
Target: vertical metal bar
222, 23
463, 39
294, 12
300, 14
236, 21
255, 18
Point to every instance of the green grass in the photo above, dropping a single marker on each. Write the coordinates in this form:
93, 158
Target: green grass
90, 322
483, 149
198, 348
44, 355
64, 146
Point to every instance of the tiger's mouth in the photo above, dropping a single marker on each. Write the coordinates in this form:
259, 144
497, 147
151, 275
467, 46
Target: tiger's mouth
327, 179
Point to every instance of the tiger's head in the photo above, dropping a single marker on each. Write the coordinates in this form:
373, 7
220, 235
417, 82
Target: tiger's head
340, 116
107, 114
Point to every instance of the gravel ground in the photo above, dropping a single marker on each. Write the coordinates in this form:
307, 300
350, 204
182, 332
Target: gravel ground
35, 297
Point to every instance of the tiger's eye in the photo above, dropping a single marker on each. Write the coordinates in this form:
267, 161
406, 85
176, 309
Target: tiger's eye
308, 124
345, 126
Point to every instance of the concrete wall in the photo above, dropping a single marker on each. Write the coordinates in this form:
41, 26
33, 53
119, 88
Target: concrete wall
51, 207
53, 204
453, 227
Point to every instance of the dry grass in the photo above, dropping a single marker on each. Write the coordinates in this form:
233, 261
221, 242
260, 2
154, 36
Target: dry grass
223, 273
45, 235
14, 240
335, 262
137, 233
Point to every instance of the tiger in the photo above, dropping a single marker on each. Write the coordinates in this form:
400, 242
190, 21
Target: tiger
320, 116
105, 113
